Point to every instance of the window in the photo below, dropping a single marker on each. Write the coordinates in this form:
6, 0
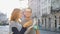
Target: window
49, 20
55, 23
45, 22
59, 20
42, 21
55, 17
49, 1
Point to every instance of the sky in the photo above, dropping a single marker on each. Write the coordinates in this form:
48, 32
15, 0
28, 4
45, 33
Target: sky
7, 6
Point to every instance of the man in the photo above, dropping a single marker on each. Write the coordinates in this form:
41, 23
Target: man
28, 21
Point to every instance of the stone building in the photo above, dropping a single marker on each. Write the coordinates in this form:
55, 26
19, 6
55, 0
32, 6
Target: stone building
48, 12
35, 6
3, 19
51, 21
45, 6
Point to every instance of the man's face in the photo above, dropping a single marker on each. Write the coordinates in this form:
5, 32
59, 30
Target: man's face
27, 13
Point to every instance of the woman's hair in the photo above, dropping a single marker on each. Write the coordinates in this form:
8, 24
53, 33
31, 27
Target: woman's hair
15, 14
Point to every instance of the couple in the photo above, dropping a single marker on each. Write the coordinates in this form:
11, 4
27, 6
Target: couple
18, 26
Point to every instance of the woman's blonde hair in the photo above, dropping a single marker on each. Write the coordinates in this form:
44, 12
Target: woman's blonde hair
15, 14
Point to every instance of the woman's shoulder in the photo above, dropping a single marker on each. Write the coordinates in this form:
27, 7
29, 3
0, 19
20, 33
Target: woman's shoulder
11, 22
14, 23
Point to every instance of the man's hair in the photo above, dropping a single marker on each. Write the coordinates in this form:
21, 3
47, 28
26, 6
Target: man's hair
28, 8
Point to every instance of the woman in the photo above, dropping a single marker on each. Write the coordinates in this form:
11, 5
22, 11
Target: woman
27, 15
14, 25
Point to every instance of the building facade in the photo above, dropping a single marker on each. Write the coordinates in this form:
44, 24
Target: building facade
35, 6
3, 19
45, 6
40, 7
51, 21
48, 11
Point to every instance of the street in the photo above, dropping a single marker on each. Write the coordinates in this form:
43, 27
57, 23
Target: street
5, 30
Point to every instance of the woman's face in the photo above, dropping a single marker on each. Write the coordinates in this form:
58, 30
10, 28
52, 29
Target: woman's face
27, 13
20, 14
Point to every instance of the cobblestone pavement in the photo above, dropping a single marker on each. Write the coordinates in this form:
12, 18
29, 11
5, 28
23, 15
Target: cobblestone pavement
5, 30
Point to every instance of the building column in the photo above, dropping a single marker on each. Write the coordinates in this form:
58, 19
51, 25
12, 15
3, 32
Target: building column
47, 23
57, 22
52, 23
43, 26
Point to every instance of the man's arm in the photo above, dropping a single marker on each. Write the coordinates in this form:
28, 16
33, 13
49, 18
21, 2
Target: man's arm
27, 24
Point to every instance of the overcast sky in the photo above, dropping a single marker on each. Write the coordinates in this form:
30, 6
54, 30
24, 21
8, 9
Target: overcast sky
6, 6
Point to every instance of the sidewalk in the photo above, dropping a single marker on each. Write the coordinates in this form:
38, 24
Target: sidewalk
48, 32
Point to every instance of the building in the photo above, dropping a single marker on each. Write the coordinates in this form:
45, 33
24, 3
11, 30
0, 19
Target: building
40, 7
48, 11
3, 18
45, 6
55, 4
51, 21
35, 6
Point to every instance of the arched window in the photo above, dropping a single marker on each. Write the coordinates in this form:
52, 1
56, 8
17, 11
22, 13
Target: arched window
49, 20
45, 23
59, 20
45, 20
55, 21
